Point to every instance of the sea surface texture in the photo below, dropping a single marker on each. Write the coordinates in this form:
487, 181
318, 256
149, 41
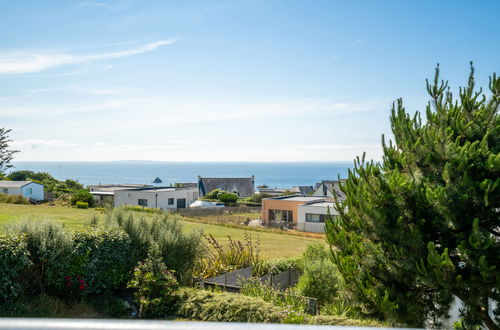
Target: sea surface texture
281, 175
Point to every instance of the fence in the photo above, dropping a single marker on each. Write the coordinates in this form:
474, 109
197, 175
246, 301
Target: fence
200, 212
232, 281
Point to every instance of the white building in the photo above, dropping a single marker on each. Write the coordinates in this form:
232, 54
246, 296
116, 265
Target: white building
311, 216
27, 189
165, 198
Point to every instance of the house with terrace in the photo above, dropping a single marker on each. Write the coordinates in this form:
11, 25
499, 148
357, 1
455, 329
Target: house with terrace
311, 216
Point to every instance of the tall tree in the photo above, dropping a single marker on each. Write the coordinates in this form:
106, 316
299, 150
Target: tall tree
423, 225
6, 154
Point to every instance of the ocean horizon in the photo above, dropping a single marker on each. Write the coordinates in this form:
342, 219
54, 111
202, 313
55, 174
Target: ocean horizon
273, 174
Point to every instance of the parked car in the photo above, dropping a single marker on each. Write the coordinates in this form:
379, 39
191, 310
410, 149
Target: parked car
205, 204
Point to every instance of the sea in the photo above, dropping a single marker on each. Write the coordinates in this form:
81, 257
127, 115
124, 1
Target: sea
272, 174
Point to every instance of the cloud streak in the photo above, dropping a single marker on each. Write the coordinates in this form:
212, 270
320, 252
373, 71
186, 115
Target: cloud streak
36, 62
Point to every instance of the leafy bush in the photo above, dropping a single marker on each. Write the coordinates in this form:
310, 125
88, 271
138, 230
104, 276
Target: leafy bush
320, 278
82, 205
179, 250
82, 196
227, 198
343, 321
226, 307
214, 194
13, 199
49, 246
99, 261
14, 259
155, 286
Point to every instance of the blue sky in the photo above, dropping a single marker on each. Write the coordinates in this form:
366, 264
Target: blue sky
250, 80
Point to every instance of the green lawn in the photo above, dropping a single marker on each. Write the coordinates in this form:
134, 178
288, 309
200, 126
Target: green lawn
274, 245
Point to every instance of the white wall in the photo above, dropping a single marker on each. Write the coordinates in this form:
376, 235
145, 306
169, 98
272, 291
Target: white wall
155, 198
312, 227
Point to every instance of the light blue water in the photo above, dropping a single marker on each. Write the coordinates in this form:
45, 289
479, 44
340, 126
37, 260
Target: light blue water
282, 175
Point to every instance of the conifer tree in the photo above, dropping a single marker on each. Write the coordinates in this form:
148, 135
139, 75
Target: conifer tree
6, 154
423, 226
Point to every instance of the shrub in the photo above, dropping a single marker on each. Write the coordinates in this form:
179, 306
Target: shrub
82, 205
214, 194
179, 250
227, 198
343, 321
49, 246
14, 259
320, 278
82, 195
155, 286
226, 307
13, 199
99, 261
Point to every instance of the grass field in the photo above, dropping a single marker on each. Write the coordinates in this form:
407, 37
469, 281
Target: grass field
273, 244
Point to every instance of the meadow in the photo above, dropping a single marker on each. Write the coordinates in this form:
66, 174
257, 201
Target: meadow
273, 243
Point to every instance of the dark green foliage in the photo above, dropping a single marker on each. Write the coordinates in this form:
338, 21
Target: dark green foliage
214, 194
320, 278
82, 195
99, 262
227, 198
226, 307
50, 183
179, 250
155, 286
6, 154
49, 246
423, 225
14, 260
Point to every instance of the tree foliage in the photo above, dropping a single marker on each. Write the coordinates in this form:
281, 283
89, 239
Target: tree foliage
423, 225
50, 183
6, 154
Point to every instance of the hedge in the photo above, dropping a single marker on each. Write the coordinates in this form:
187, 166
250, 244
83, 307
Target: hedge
14, 259
204, 305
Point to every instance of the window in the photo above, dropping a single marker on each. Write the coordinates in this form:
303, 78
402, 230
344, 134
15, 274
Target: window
170, 201
30, 191
5, 190
142, 202
312, 217
281, 215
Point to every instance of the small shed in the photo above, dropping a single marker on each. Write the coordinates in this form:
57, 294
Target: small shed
28, 189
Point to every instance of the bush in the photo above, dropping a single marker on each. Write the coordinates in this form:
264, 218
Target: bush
82, 196
320, 278
214, 194
14, 259
49, 246
82, 205
13, 199
227, 198
179, 250
100, 261
343, 321
226, 307
155, 287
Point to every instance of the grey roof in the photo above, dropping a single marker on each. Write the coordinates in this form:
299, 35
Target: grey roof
243, 187
303, 190
15, 184
333, 187
298, 198
110, 187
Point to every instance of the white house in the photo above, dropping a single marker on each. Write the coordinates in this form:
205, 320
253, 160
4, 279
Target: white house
165, 198
311, 216
29, 189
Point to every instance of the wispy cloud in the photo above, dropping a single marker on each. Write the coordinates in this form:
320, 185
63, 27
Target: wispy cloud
35, 143
27, 62
94, 4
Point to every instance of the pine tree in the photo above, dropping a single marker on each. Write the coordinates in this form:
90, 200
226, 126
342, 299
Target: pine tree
423, 226
6, 154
